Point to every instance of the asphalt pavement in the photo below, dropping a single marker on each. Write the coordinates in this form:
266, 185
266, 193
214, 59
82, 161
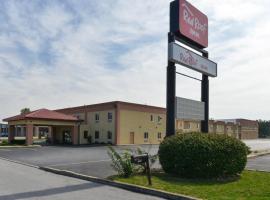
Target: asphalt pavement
94, 161
261, 163
22, 182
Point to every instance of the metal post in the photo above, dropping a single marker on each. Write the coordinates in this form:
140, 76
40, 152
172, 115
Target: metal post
171, 79
205, 99
148, 171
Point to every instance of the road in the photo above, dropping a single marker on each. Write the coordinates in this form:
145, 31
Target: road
94, 161
258, 144
22, 182
259, 163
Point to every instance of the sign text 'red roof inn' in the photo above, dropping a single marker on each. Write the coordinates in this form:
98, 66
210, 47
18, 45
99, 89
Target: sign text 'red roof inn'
189, 22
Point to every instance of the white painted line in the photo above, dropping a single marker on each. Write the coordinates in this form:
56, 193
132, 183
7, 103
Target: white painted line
257, 165
93, 161
19, 162
29, 149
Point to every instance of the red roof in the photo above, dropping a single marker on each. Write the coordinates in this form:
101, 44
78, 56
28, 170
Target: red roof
43, 114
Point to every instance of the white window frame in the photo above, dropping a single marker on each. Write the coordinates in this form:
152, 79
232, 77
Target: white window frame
146, 138
97, 117
110, 114
108, 135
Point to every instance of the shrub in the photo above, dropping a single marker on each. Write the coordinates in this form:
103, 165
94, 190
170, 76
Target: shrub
18, 142
121, 162
4, 142
197, 155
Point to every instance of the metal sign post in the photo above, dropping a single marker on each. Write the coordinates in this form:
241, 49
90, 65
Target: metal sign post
171, 80
205, 99
144, 161
188, 26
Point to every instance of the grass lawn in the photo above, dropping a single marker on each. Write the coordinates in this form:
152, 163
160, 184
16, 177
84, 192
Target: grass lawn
251, 185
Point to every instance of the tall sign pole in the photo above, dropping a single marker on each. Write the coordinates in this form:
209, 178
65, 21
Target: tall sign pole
205, 99
171, 82
188, 26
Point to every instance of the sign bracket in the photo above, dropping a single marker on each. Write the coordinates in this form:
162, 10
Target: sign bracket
189, 76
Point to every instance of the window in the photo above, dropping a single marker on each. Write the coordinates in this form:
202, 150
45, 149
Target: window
159, 136
146, 135
109, 135
151, 118
85, 134
97, 117
159, 118
186, 125
96, 134
198, 125
109, 116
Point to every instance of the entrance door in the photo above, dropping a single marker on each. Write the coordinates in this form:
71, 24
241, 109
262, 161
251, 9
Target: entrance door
131, 137
67, 137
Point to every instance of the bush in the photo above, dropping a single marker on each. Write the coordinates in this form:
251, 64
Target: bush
197, 155
18, 142
4, 142
121, 162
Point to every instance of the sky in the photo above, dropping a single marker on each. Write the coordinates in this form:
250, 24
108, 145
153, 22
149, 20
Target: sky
56, 54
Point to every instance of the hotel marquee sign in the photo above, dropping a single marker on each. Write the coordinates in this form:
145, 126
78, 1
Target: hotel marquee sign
188, 109
183, 56
188, 21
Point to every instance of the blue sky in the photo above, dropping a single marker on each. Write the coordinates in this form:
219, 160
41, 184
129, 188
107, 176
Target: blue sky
56, 54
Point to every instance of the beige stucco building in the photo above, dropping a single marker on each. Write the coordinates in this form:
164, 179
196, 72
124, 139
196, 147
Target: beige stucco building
238, 128
119, 123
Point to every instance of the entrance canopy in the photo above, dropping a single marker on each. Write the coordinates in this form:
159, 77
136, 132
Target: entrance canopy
56, 122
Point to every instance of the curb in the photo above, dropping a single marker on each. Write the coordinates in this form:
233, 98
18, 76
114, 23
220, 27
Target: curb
129, 187
257, 170
19, 162
20, 146
262, 153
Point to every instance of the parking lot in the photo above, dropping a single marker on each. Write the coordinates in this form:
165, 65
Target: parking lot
94, 161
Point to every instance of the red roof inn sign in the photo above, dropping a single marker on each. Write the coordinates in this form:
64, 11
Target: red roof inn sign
183, 56
188, 27
189, 22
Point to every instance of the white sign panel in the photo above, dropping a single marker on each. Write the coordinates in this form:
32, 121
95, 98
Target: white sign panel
183, 56
189, 109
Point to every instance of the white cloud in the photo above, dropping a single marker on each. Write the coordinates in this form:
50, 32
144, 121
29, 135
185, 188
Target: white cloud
117, 50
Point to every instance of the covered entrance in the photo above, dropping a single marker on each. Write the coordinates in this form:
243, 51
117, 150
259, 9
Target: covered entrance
62, 128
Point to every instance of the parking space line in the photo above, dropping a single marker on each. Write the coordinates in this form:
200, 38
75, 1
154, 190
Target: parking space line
256, 165
93, 161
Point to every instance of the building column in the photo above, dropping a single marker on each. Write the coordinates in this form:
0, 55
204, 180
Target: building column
11, 133
75, 134
29, 134
50, 134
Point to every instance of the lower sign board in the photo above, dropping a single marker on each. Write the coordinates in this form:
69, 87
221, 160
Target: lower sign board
183, 56
189, 109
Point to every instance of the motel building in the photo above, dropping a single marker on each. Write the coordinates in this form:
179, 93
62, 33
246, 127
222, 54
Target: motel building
117, 123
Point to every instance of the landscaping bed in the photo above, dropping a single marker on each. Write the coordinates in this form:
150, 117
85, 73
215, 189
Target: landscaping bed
250, 185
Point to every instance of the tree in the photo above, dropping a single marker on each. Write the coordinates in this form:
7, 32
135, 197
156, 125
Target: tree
264, 128
25, 110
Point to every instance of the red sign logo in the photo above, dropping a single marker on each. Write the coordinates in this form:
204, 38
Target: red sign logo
193, 23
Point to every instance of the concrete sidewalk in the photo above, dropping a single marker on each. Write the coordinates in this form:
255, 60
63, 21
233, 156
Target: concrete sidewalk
23, 182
